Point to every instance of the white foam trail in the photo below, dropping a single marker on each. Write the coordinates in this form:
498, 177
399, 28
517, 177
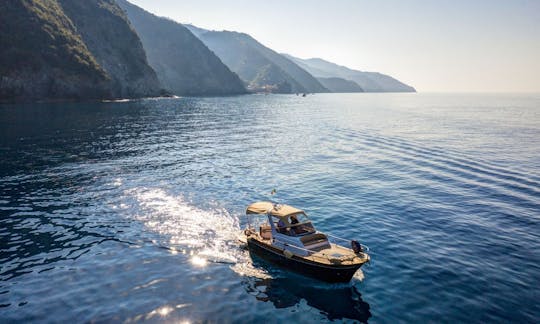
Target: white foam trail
245, 267
185, 226
358, 275
205, 235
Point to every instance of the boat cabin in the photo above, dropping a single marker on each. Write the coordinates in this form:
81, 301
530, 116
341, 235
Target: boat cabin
286, 227
285, 235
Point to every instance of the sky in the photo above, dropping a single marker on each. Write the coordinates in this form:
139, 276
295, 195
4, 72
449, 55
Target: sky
433, 45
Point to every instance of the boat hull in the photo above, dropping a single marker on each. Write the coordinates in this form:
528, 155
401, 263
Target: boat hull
328, 273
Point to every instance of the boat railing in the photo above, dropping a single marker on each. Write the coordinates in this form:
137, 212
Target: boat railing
287, 244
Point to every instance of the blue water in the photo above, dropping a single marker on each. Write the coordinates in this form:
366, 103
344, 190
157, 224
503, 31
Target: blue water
129, 211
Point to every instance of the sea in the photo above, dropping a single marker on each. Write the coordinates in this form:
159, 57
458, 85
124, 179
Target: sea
130, 211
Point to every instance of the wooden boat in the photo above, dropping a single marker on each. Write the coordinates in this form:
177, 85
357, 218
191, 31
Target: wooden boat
286, 236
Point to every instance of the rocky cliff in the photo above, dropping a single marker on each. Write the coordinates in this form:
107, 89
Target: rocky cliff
70, 49
43, 57
184, 65
107, 33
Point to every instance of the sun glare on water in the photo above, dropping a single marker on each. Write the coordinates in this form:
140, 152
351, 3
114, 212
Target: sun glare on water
198, 261
203, 236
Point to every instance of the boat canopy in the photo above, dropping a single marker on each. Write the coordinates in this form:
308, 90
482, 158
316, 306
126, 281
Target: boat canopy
278, 210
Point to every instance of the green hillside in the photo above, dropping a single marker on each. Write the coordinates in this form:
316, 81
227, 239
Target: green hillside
43, 56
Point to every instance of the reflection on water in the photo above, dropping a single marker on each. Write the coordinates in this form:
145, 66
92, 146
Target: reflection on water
204, 235
159, 314
334, 301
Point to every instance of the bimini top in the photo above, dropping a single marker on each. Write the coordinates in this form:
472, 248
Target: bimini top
278, 210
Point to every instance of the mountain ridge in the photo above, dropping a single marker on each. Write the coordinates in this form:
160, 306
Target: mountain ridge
111, 49
251, 60
369, 81
183, 64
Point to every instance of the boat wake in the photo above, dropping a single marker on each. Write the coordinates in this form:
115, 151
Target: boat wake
202, 235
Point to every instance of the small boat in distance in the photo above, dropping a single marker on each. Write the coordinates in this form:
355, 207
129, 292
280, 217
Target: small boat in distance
286, 236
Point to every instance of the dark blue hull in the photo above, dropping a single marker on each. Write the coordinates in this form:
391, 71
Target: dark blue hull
328, 273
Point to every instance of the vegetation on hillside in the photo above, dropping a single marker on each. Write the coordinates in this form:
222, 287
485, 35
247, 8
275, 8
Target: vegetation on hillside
108, 34
39, 49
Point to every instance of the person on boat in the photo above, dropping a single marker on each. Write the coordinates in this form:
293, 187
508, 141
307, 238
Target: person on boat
295, 229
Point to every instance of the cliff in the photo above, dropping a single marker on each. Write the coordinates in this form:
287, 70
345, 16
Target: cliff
109, 36
43, 56
70, 50
182, 62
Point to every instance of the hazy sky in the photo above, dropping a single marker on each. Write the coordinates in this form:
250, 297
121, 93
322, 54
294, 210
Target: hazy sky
453, 45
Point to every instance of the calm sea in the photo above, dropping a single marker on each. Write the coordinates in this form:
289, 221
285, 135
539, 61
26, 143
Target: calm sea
129, 211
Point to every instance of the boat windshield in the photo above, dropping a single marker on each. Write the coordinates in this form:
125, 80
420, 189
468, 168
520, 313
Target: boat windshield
302, 229
299, 225
298, 218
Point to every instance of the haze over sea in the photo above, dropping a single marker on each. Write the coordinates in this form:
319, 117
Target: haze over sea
129, 211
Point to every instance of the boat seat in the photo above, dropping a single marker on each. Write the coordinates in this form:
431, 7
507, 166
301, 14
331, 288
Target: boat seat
315, 241
266, 232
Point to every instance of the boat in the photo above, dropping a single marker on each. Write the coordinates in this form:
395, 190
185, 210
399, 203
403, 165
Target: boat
284, 235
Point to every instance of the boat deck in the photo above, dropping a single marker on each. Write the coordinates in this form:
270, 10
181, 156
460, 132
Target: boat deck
338, 254
333, 255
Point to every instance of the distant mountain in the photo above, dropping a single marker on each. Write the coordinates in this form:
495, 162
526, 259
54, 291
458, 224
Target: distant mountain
340, 85
197, 31
369, 81
182, 62
52, 52
106, 49
260, 67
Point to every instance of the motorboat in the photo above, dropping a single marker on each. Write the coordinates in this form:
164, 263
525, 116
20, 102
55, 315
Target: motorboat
286, 236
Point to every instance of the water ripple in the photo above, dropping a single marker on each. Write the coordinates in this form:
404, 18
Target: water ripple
128, 212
